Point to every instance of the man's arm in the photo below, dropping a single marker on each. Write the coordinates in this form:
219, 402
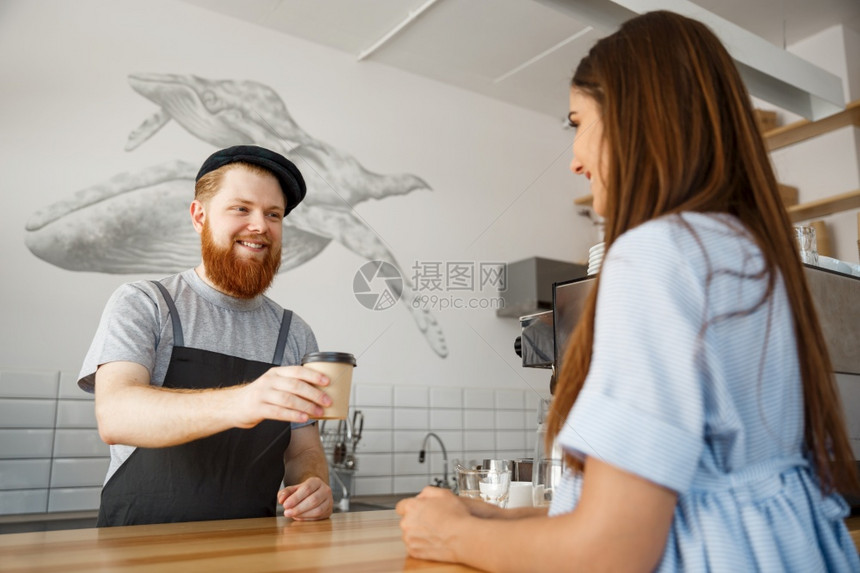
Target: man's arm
307, 495
130, 411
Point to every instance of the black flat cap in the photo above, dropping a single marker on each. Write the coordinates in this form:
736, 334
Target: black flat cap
287, 174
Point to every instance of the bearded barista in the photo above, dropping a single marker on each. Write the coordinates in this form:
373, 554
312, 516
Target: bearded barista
198, 387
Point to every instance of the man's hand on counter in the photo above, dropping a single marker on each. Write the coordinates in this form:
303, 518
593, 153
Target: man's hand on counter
308, 501
307, 496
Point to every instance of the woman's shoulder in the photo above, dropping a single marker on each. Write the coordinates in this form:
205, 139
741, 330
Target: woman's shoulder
684, 236
685, 226
685, 247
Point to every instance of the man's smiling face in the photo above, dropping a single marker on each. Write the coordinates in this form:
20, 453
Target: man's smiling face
241, 229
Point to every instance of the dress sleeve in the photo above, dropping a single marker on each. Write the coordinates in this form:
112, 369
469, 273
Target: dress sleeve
128, 331
641, 408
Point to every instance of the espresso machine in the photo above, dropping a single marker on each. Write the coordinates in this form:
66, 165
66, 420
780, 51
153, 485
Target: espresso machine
544, 336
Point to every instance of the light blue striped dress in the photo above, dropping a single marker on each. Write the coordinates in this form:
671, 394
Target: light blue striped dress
716, 417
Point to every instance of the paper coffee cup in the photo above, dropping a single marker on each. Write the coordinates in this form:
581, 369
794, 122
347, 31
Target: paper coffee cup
338, 367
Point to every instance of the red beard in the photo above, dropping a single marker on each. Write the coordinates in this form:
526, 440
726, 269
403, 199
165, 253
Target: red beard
238, 277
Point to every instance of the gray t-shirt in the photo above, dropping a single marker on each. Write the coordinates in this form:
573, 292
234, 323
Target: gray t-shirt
136, 327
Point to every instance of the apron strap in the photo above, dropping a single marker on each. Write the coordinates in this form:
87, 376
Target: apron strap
178, 339
174, 316
280, 346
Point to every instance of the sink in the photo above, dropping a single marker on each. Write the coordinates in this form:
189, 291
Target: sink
374, 502
359, 506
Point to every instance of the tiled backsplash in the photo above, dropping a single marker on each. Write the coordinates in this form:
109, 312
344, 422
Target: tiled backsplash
51, 456
52, 459
473, 423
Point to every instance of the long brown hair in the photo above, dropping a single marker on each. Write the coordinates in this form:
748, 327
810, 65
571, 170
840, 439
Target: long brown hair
681, 136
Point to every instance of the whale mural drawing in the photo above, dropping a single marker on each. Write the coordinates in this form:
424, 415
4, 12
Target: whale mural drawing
137, 222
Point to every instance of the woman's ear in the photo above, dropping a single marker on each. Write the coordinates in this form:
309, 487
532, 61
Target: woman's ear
198, 215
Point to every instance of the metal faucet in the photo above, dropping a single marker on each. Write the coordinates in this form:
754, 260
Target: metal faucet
422, 454
343, 503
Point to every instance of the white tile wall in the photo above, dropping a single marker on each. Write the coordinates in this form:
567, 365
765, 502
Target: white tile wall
411, 396
437, 464
446, 419
377, 418
531, 441
409, 484
478, 420
533, 398
78, 472
479, 440
409, 441
24, 474
375, 441
411, 418
453, 440
69, 388
531, 418
52, 459
79, 444
370, 395
24, 501
76, 414
478, 398
446, 398
74, 498
26, 384
510, 441
26, 413
375, 465
26, 443
473, 423
511, 420
373, 485
509, 399
408, 464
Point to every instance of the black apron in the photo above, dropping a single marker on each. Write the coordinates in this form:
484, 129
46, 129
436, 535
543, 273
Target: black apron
232, 474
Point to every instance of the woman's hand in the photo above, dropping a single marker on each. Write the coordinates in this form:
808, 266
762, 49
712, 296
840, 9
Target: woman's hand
432, 524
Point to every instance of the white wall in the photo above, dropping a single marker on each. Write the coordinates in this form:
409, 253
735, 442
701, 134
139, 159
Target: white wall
501, 189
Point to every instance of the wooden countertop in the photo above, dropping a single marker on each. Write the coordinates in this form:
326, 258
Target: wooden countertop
348, 542
367, 541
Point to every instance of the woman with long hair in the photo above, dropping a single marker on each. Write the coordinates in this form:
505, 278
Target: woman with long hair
696, 405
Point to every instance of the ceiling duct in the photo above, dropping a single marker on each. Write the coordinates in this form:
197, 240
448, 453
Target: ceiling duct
411, 17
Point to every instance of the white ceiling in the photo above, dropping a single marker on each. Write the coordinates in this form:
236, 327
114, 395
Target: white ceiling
519, 51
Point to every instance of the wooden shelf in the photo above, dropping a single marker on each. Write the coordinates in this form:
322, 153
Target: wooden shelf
826, 206
805, 129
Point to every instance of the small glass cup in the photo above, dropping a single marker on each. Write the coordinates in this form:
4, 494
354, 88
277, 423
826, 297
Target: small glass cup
806, 243
491, 484
546, 476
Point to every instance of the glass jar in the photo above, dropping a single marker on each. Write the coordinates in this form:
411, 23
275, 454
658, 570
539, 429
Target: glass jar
548, 464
